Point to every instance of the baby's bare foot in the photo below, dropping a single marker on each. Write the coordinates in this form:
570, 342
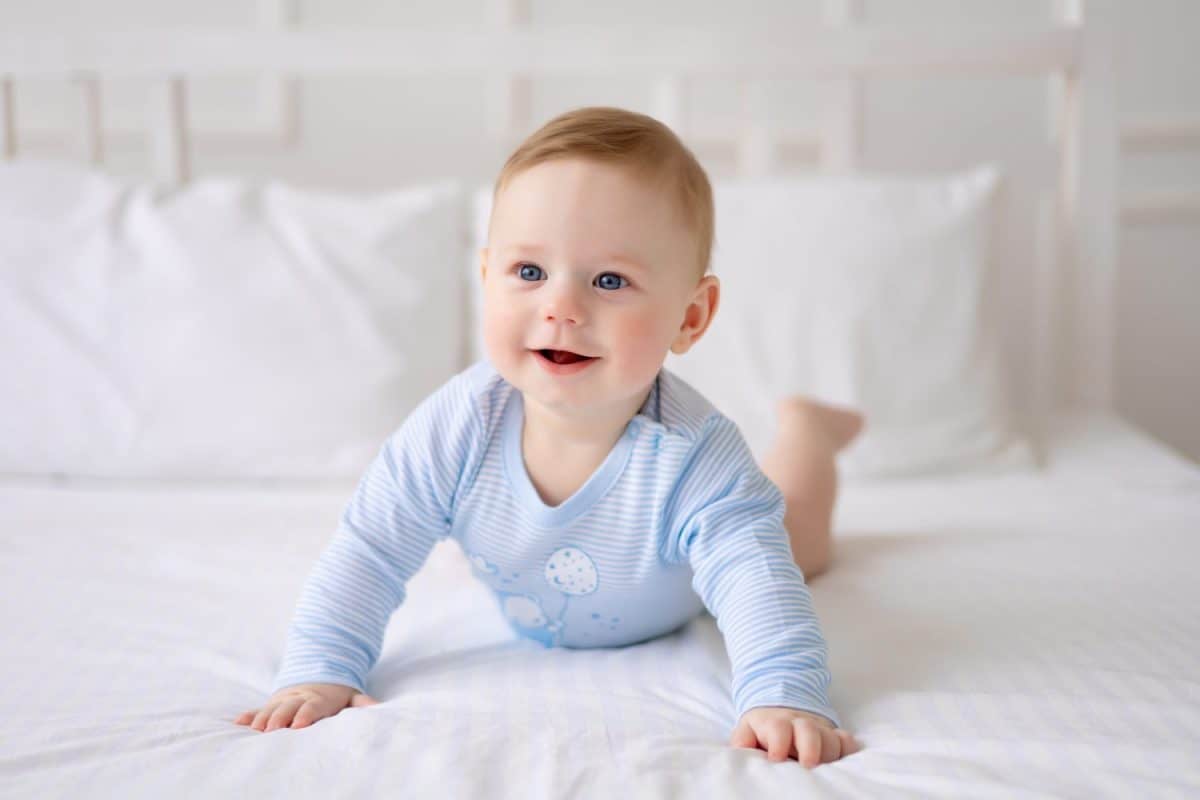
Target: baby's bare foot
801, 416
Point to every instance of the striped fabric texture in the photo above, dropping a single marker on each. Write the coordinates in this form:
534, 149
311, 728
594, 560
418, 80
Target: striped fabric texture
678, 519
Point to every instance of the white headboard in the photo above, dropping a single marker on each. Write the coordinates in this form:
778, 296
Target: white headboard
1061, 320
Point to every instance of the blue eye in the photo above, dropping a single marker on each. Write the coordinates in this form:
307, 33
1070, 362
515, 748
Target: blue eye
611, 280
531, 272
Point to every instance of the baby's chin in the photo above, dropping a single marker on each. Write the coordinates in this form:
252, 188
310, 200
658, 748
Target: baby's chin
588, 401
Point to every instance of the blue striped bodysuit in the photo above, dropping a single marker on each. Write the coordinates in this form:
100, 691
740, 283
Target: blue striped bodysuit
678, 519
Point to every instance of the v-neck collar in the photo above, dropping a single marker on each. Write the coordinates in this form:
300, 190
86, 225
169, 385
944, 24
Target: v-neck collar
597, 484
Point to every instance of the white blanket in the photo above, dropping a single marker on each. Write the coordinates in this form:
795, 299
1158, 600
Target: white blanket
1028, 635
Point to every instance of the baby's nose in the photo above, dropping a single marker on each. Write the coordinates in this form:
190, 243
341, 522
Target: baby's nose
558, 315
563, 306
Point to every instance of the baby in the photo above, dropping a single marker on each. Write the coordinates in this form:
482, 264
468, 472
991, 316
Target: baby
602, 499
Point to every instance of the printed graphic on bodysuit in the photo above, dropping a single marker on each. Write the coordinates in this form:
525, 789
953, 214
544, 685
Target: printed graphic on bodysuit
572, 572
524, 610
568, 570
480, 563
525, 613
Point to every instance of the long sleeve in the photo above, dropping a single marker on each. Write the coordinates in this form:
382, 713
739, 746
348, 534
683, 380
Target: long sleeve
402, 506
731, 531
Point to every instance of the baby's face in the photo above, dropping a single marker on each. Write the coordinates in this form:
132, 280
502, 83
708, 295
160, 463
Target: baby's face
585, 259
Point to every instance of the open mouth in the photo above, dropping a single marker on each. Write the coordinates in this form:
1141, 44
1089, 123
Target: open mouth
563, 356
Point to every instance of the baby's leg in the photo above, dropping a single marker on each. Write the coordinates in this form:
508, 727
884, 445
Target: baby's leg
801, 464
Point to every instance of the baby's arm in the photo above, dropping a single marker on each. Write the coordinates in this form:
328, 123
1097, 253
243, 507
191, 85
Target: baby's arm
386, 532
730, 528
401, 508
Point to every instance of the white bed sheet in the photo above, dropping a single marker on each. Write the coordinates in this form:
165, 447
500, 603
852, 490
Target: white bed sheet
990, 636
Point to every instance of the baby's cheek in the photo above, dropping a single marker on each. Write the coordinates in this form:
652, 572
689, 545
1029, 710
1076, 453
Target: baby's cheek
499, 318
500, 335
644, 340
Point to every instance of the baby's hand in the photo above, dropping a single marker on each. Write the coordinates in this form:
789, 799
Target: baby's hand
301, 705
791, 733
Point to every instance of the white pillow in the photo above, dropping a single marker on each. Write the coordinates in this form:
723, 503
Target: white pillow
861, 291
229, 329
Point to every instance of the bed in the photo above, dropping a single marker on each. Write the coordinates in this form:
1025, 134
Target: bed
1010, 610
990, 636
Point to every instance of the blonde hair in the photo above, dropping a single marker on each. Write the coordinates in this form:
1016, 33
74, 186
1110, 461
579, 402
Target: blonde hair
630, 140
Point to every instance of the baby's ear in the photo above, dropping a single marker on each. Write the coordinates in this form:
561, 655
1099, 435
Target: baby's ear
483, 254
699, 314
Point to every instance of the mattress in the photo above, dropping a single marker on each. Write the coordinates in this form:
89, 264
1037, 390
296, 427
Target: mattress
990, 635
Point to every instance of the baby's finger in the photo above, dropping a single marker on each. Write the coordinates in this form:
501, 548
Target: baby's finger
282, 717
777, 735
264, 714
245, 717
361, 700
849, 743
307, 714
808, 742
743, 736
831, 744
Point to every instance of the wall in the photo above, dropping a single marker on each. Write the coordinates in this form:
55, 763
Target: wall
369, 133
